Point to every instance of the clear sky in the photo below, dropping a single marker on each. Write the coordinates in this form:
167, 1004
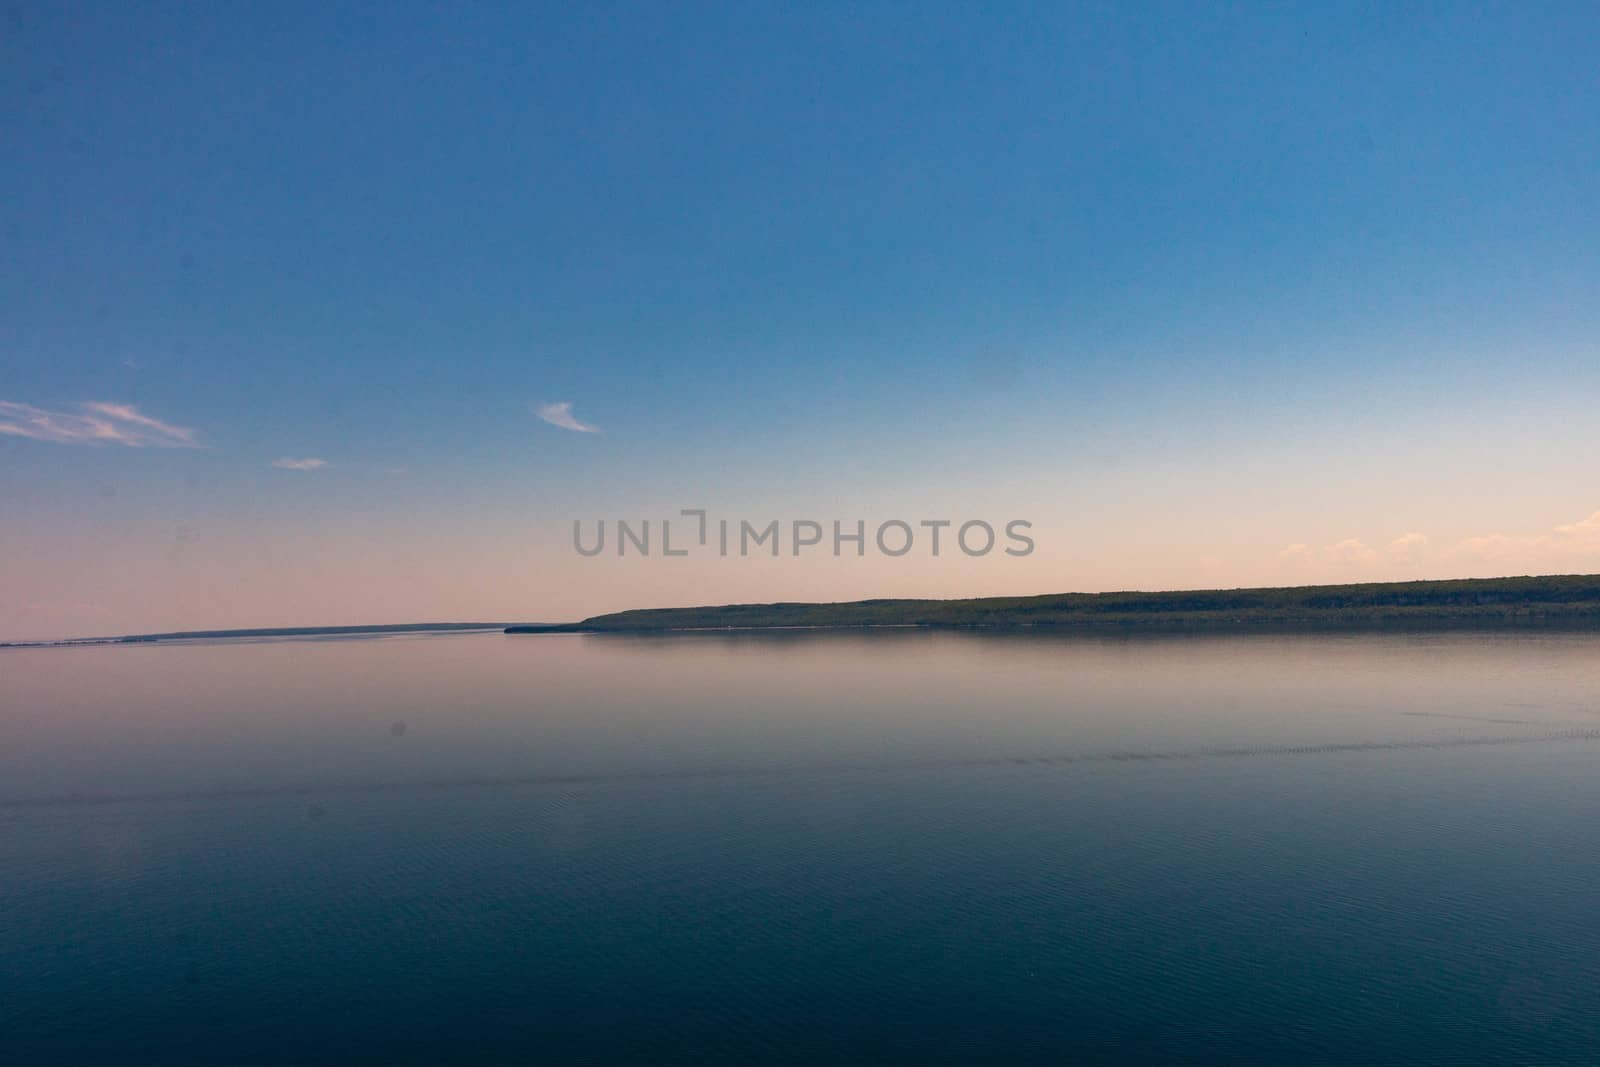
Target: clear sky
1211, 294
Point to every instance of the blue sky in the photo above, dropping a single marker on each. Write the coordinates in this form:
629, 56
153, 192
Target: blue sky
1099, 263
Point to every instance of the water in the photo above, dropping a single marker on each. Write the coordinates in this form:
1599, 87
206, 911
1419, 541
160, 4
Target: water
904, 847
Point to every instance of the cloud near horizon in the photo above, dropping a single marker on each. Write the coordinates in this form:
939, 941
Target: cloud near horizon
96, 423
1408, 547
1565, 544
560, 414
1586, 530
309, 463
1351, 550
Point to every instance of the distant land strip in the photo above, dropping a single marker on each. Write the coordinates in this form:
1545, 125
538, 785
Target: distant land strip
1568, 600
278, 631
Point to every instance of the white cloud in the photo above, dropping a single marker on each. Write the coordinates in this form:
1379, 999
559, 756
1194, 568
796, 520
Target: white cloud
1565, 547
96, 423
1494, 546
1567, 544
1351, 550
1408, 547
1587, 530
560, 414
310, 463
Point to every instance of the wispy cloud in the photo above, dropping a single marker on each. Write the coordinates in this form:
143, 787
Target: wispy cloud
1408, 547
1585, 530
96, 423
1568, 541
1569, 544
560, 414
1497, 546
1351, 550
309, 463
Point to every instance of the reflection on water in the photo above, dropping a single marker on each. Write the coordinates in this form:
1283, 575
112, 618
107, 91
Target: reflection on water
930, 847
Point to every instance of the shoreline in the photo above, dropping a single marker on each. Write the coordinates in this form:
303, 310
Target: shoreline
1569, 601
1108, 627
378, 630
1550, 602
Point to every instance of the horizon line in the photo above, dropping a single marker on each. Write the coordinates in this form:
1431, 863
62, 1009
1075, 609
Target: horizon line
312, 630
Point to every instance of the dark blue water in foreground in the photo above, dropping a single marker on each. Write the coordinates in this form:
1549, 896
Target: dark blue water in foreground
907, 848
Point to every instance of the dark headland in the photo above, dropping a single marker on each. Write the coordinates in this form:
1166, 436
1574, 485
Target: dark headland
1567, 600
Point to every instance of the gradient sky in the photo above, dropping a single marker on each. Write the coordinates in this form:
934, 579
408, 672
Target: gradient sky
1211, 295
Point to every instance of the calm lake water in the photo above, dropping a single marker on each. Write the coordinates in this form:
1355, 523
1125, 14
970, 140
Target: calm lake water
905, 847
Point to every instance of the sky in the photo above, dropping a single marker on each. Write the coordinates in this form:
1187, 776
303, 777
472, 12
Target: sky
318, 314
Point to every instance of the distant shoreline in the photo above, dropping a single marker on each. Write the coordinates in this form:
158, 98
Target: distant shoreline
1107, 627
1565, 601
275, 631
1568, 601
